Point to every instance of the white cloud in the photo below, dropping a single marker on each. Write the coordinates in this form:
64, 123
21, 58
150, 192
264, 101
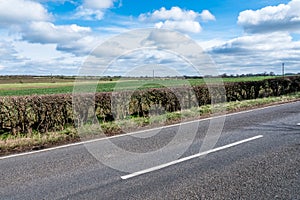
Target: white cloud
183, 26
177, 19
21, 11
267, 43
40, 59
36, 51
257, 42
57, 66
207, 16
258, 53
69, 38
93, 9
89, 14
81, 46
96, 4
175, 13
142, 62
207, 45
113, 29
284, 17
29, 21
8, 52
59, 1
47, 32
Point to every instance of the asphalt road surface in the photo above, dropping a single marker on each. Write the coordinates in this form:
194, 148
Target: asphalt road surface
257, 156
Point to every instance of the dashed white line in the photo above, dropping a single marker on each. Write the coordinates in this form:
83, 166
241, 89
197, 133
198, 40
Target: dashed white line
188, 158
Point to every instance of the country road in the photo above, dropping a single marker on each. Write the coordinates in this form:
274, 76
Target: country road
257, 156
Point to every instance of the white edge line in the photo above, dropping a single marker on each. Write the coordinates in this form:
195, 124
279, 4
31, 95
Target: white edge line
138, 132
188, 158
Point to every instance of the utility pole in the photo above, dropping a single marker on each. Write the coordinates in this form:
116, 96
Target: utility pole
153, 75
282, 69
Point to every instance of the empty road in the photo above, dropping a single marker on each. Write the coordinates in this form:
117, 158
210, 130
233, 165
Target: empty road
257, 156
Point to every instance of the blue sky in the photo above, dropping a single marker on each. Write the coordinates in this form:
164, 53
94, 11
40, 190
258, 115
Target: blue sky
43, 37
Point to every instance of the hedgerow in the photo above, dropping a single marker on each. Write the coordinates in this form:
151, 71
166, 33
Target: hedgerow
43, 113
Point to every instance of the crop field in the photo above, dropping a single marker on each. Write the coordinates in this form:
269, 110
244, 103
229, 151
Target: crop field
18, 86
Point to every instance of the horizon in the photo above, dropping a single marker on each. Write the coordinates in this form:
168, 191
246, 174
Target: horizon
224, 75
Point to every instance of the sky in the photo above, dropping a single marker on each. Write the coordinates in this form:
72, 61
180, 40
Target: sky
43, 37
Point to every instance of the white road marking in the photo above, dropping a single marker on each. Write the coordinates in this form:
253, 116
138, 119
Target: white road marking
138, 132
298, 124
188, 158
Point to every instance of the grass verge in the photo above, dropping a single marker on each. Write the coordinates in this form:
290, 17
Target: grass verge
20, 143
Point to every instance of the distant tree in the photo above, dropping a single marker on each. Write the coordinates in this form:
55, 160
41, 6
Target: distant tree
224, 75
265, 74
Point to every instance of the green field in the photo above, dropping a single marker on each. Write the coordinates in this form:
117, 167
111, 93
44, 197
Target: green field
45, 85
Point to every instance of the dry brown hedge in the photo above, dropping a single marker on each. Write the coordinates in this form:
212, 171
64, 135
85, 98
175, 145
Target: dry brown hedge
23, 114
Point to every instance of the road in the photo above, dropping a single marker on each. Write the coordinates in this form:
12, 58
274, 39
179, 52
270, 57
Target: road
264, 165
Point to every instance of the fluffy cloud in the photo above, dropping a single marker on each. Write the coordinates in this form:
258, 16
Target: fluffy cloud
256, 43
21, 11
89, 14
29, 21
267, 41
6, 48
46, 32
177, 19
175, 13
21, 57
59, 1
96, 4
207, 16
70, 38
79, 47
284, 17
258, 53
8, 53
183, 26
93, 9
